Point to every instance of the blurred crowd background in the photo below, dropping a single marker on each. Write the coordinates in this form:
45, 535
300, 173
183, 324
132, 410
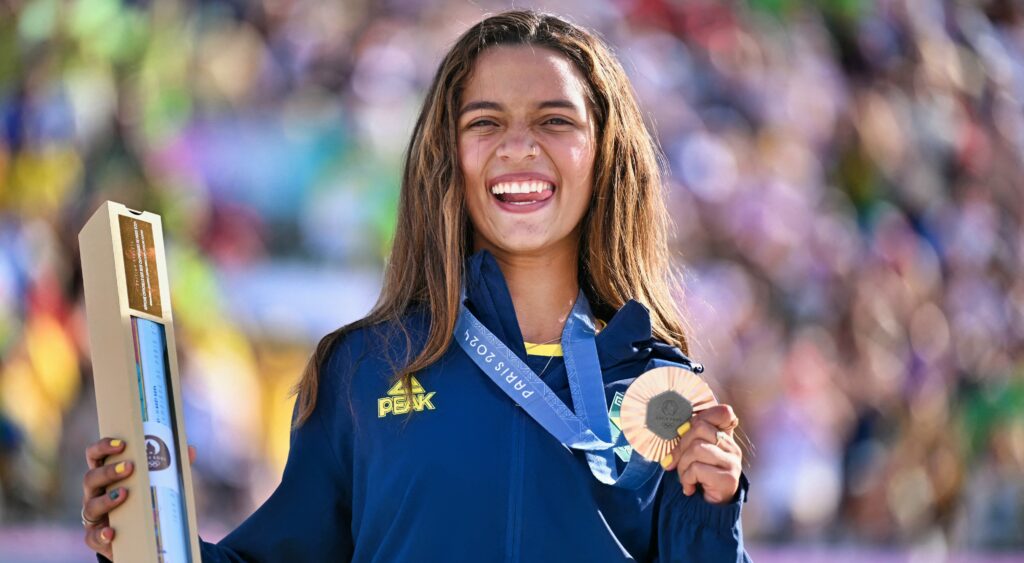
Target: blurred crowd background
846, 179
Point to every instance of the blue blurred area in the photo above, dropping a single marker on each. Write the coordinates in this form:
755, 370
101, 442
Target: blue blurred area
846, 179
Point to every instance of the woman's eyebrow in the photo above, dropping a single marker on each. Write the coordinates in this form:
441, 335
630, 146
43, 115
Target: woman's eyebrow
480, 104
485, 104
564, 104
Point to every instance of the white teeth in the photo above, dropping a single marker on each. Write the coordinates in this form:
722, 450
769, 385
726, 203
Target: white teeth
520, 187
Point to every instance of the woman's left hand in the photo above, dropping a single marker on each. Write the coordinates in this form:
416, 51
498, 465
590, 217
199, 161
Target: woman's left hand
708, 455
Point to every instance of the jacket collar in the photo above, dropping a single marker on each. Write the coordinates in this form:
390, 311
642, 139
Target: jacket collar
489, 300
626, 338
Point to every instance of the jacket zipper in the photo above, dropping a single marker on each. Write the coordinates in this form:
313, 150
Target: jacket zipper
515, 489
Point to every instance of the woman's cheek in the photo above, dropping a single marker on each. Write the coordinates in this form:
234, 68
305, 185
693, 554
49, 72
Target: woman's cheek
579, 153
473, 153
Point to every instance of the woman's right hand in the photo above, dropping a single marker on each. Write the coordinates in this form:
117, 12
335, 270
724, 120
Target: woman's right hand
99, 498
101, 494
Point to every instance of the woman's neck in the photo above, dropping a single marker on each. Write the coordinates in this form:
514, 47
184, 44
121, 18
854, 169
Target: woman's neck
543, 286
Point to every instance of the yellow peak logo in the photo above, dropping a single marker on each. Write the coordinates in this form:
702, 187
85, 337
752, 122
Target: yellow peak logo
397, 402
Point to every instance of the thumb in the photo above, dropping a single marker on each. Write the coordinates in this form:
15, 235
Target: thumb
191, 454
721, 417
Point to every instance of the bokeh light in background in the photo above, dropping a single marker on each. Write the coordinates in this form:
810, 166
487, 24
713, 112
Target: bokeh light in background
847, 183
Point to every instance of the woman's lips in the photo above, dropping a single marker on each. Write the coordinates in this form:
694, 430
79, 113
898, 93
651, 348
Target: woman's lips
521, 193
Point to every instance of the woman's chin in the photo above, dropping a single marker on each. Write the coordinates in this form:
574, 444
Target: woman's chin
524, 244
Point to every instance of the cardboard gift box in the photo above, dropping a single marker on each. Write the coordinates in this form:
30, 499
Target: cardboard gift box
135, 370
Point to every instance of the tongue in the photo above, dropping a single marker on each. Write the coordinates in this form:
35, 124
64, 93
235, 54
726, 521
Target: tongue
519, 198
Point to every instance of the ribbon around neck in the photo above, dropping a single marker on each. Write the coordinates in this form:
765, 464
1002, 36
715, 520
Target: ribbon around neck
589, 428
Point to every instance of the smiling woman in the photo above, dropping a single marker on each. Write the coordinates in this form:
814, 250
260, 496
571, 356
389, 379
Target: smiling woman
530, 213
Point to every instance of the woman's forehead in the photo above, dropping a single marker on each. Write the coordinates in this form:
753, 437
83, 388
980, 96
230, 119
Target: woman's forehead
524, 76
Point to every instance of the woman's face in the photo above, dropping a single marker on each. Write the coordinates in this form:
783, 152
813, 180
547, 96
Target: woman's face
526, 150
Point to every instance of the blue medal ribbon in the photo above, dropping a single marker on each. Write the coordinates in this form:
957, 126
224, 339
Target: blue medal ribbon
589, 428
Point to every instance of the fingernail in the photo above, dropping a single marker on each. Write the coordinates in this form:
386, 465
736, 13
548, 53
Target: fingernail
114, 494
120, 467
115, 443
683, 428
105, 535
666, 461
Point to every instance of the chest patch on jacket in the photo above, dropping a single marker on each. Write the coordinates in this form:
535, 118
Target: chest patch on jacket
397, 402
624, 452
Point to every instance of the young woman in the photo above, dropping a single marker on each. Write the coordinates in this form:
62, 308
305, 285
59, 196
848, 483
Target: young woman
531, 188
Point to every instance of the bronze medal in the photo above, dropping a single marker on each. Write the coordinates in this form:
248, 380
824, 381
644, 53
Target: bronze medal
657, 403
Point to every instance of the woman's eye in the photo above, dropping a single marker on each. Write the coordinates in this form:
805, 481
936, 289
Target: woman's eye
481, 122
563, 121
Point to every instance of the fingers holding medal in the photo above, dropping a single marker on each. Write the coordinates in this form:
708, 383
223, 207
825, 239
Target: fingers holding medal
669, 414
707, 455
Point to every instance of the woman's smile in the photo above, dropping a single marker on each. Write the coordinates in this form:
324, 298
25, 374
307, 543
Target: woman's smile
521, 193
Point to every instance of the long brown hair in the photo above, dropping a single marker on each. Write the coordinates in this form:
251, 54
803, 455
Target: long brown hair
624, 236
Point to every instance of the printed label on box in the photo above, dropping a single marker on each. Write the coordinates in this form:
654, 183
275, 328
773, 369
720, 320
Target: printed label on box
140, 272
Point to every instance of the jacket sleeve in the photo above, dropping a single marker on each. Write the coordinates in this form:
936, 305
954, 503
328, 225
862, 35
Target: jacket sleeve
308, 516
691, 529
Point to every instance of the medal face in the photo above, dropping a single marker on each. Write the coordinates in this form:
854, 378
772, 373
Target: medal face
665, 412
657, 403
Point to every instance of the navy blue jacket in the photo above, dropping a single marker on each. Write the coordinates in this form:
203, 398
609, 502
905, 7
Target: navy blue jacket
461, 473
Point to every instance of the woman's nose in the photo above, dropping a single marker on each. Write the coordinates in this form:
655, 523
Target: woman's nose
517, 145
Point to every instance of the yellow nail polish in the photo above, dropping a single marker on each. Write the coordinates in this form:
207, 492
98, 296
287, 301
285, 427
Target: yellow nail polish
115, 443
119, 468
666, 461
683, 428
